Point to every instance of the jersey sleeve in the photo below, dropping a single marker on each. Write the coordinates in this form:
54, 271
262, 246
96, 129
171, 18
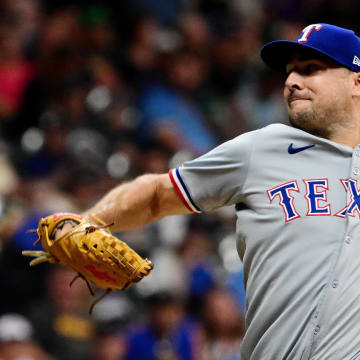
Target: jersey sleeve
216, 178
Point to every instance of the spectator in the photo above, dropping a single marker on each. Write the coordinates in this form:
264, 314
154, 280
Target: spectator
61, 322
16, 340
15, 74
167, 335
169, 113
195, 32
140, 59
110, 343
224, 326
198, 265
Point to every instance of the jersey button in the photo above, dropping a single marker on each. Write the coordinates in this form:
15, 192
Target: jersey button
335, 284
348, 239
316, 330
356, 171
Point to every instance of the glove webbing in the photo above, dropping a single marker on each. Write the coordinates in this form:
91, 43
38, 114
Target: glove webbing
88, 230
43, 256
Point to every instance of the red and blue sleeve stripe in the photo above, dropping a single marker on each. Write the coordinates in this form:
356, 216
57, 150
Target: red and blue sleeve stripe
183, 192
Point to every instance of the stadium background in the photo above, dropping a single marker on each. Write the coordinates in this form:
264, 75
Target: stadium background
96, 93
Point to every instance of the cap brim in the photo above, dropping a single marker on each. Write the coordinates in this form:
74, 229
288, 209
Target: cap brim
277, 54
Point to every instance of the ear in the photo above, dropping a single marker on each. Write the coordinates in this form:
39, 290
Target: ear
356, 84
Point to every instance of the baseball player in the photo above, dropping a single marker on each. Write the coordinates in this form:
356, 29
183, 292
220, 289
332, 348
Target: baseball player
296, 193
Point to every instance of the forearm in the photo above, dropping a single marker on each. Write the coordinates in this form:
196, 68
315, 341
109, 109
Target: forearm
139, 202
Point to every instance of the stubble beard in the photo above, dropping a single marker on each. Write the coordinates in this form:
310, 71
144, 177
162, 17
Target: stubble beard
310, 122
323, 123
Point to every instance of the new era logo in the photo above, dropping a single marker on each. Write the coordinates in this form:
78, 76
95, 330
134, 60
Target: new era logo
356, 61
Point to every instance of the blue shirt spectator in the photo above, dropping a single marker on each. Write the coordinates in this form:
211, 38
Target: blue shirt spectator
164, 110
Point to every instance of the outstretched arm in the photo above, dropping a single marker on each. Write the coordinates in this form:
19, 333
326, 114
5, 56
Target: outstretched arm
139, 202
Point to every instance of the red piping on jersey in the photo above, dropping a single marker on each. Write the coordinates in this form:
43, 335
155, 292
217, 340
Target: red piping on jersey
179, 192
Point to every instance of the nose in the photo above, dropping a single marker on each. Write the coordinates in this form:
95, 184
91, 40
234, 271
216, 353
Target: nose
294, 81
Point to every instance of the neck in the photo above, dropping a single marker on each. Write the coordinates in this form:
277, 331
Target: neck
348, 135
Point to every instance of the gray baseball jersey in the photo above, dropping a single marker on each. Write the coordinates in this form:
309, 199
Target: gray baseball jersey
297, 201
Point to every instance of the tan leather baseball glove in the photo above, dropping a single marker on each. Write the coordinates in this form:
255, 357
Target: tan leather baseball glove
91, 250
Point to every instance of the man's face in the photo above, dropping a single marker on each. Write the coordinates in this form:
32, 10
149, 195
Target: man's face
318, 96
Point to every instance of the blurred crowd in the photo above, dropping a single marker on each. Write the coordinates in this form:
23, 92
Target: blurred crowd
95, 93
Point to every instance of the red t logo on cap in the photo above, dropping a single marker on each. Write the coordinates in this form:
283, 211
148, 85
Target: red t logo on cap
308, 30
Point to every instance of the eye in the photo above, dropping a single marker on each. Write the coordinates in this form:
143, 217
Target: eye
311, 68
286, 73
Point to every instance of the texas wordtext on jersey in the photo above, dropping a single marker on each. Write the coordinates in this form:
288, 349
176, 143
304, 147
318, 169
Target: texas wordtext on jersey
316, 196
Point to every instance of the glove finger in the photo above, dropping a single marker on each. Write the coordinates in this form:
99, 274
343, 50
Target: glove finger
40, 260
40, 256
34, 253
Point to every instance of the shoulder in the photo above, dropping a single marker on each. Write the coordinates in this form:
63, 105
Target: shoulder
246, 141
282, 130
270, 130
279, 130
264, 140
275, 135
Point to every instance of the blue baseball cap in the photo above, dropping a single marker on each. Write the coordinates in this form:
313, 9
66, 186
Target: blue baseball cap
339, 44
